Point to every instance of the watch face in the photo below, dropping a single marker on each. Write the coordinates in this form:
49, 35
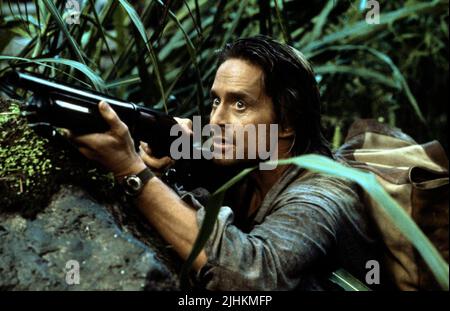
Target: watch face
133, 185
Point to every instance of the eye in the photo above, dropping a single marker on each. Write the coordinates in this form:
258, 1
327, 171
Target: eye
215, 102
240, 105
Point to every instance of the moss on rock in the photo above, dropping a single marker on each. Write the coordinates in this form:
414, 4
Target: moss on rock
33, 168
53, 194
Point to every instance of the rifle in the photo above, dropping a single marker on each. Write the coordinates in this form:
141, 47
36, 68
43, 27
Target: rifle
55, 104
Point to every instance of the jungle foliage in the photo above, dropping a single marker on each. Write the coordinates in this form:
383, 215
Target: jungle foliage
163, 55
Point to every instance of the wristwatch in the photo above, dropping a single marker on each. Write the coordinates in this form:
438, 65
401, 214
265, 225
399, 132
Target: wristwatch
133, 184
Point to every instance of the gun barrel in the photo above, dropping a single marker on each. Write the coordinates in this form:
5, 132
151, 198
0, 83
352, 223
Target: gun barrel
41, 84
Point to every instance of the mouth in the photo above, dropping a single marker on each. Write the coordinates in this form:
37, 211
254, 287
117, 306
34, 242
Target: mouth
221, 140
221, 143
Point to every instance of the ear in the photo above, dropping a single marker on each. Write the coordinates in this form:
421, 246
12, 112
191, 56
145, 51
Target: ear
286, 132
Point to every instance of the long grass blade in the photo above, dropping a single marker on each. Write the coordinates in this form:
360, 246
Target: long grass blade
96, 80
347, 281
361, 30
141, 29
367, 181
193, 54
397, 75
369, 74
212, 208
62, 25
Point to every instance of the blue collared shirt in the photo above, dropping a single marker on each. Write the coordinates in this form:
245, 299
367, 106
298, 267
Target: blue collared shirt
308, 225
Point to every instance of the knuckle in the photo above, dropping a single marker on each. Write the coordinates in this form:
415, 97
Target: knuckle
122, 130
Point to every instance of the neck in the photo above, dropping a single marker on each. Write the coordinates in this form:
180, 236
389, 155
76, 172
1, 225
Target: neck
265, 179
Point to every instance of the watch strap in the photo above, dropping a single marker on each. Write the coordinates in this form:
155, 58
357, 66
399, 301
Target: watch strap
145, 175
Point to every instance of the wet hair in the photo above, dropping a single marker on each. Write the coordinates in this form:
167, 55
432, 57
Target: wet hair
290, 82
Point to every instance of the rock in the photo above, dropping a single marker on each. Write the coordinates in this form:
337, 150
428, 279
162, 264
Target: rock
114, 251
58, 209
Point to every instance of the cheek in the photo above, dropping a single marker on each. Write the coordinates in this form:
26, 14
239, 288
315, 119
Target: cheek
266, 135
257, 116
263, 112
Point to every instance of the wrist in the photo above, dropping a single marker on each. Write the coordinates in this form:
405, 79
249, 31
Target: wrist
134, 168
133, 184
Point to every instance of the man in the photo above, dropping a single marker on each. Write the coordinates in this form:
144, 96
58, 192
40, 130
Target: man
285, 228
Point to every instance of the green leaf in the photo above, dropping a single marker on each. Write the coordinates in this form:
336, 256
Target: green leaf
96, 80
133, 79
62, 25
319, 23
240, 12
193, 54
347, 281
397, 214
212, 210
360, 30
397, 75
141, 29
100, 29
369, 74
281, 21
366, 180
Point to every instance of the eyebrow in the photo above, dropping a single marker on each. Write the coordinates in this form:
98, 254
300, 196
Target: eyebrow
234, 95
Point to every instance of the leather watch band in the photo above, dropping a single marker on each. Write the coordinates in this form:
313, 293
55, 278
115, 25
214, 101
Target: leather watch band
133, 184
145, 175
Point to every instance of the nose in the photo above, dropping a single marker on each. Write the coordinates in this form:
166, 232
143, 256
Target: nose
219, 115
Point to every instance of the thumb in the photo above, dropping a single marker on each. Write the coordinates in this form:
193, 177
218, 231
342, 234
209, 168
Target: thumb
109, 115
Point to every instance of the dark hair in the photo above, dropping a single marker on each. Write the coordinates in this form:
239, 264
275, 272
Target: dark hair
290, 82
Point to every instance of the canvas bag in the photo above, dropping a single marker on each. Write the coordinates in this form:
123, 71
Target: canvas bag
416, 176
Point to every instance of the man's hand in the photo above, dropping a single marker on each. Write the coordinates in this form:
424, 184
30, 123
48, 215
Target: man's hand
159, 164
113, 149
174, 219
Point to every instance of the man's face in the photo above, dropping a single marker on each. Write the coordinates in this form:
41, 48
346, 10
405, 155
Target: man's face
238, 98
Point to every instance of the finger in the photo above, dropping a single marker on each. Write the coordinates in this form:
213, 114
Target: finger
145, 148
155, 163
66, 133
110, 116
185, 123
142, 151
